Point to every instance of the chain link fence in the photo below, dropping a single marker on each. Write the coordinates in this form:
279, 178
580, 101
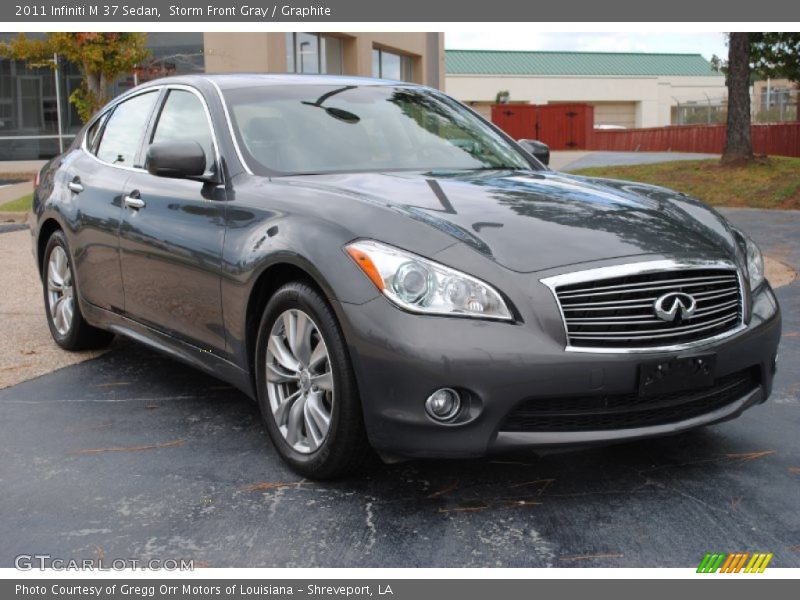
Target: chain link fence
767, 106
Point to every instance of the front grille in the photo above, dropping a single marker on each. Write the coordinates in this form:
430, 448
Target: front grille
625, 411
619, 312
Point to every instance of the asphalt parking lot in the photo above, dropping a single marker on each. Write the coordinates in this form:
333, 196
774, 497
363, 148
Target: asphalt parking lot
131, 455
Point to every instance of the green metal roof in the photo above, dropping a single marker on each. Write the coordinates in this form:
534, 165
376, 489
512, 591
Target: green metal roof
507, 62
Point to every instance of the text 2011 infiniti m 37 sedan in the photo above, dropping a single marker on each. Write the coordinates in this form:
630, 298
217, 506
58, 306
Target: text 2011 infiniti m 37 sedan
387, 273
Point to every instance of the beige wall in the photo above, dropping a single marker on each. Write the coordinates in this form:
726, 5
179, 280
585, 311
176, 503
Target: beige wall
228, 52
651, 97
760, 89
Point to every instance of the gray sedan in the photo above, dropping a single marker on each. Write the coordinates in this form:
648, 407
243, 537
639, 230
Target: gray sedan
389, 275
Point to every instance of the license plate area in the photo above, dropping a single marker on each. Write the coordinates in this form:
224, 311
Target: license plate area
676, 375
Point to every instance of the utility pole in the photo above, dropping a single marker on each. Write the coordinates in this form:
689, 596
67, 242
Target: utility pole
58, 105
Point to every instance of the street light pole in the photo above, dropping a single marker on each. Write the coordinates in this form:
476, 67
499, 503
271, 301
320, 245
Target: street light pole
58, 105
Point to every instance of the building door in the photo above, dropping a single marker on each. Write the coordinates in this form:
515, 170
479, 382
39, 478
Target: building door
517, 120
564, 126
560, 126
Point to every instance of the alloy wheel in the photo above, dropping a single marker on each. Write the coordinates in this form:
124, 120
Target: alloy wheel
299, 381
60, 291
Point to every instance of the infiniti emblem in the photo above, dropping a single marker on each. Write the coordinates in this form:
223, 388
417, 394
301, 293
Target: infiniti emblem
675, 307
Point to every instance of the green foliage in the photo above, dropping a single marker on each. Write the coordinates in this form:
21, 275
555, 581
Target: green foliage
699, 116
776, 55
86, 102
101, 57
719, 64
775, 115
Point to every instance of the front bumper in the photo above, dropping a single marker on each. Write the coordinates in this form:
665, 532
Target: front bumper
401, 358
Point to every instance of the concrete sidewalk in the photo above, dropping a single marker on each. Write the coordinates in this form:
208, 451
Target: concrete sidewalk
573, 160
14, 191
20, 166
26, 348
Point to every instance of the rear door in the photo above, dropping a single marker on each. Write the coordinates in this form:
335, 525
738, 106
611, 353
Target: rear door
95, 178
172, 233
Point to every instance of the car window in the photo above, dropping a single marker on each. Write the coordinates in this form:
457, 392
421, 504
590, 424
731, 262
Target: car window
182, 118
124, 130
330, 128
92, 134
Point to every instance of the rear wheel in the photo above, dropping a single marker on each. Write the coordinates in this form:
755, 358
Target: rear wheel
306, 386
67, 325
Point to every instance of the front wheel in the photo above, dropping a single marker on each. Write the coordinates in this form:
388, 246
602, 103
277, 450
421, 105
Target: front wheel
64, 318
306, 386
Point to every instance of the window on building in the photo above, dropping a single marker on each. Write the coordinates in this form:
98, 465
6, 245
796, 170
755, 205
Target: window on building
28, 96
390, 65
314, 53
173, 53
31, 105
125, 129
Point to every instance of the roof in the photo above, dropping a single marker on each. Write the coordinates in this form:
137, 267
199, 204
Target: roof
236, 80
509, 62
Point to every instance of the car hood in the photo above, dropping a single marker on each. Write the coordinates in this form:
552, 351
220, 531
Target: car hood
533, 221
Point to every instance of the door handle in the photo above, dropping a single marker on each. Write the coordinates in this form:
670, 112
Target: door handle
75, 186
133, 200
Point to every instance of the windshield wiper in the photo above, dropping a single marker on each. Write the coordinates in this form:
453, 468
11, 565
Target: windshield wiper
336, 113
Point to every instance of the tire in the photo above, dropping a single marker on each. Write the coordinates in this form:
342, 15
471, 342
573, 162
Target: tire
320, 386
62, 309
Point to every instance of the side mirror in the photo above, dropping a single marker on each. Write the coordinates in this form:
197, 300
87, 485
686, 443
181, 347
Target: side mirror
178, 160
539, 150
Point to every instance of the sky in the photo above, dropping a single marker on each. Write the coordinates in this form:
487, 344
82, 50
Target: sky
706, 44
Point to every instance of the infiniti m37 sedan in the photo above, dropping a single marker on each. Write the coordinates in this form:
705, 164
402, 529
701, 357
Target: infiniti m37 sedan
387, 274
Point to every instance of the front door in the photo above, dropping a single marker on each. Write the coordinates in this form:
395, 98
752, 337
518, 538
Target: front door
172, 234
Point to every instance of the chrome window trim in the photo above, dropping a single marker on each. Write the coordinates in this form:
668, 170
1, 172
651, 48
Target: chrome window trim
238, 150
212, 129
157, 89
642, 268
109, 108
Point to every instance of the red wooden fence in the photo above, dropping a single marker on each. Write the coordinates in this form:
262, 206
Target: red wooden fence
782, 139
570, 127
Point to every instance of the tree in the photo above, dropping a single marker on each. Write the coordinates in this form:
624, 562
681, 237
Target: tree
776, 55
718, 64
101, 57
738, 146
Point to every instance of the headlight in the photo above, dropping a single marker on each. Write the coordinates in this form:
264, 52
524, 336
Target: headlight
755, 263
423, 286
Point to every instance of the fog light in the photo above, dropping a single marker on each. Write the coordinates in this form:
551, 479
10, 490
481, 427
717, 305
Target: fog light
443, 404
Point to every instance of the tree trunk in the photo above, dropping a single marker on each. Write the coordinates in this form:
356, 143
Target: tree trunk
739, 146
90, 79
103, 91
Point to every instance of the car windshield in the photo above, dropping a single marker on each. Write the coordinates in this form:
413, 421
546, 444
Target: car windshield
311, 129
